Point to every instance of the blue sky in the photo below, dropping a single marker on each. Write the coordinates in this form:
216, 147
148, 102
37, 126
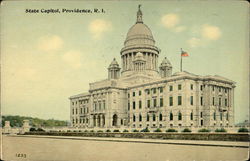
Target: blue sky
48, 57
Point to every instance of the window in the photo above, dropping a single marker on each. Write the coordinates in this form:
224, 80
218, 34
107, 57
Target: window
161, 102
81, 110
139, 93
171, 116
225, 102
139, 104
191, 116
213, 101
100, 106
140, 118
219, 89
214, 115
72, 103
201, 101
154, 117
201, 114
170, 101
219, 101
134, 119
128, 106
201, 122
155, 102
148, 103
76, 102
128, 95
201, 87
76, 121
225, 90
179, 100
170, 88
221, 116
160, 117
161, 89
227, 116
191, 86
104, 105
76, 110
134, 105
154, 90
73, 111
133, 94
191, 100
73, 121
147, 117
147, 91
179, 116
179, 86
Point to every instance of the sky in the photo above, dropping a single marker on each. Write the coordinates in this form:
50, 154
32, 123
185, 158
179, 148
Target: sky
47, 57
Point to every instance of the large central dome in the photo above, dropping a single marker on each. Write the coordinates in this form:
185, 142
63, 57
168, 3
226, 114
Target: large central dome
139, 34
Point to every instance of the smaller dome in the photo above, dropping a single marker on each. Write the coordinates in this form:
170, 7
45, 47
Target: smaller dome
114, 63
166, 62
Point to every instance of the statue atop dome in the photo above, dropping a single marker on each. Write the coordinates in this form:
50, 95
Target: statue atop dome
139, 15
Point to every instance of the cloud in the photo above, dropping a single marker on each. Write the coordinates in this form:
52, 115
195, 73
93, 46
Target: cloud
50, 43
73, 59
180, 29
194, 42
210, 32
98, 27
170, 20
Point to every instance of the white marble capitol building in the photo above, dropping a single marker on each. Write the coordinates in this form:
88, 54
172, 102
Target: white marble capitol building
140, 93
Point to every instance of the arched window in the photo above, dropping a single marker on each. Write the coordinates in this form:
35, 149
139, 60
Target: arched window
160, 117
153, 117
179, 116
191, 116
140, 117
147, 117
134, 118
171, 116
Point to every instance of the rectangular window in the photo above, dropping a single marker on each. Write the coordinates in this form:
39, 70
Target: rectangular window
128, 106
100, 106
225, 102
72, 103
81, 110
170, 101
155, 102
219, 101
170, 88
219, 89
201, 87
76, 110
154, 90
213, 101
179, 100
191, 100
148, 103
201, 115
139, 93
73, 111
161, 102
140, 104
133, 105
161, 89
191, 86
133, 94
128, 95
213, 88
201, 101
225, 90
104, 105
179, 86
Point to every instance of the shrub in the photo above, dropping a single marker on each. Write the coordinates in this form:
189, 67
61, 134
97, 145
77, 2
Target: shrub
221, 130
91, 131
125, 130
40, 129
68, 130
108, 130
32, 129
75, 131
158, 130
243, 129
171, 130
145, 130
186, 130
85, 130
116, 130
135, 130
204, 130
99, 131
